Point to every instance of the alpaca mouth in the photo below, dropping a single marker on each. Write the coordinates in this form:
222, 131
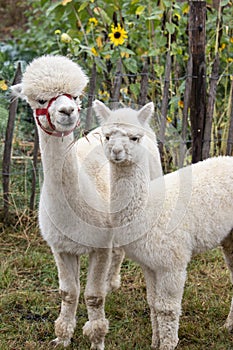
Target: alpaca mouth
66, 124
118, 160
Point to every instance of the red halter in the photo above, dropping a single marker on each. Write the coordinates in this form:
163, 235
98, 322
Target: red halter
45, 111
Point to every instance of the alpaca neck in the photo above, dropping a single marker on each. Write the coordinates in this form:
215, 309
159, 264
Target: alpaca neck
128, 192
55, 153
69, 194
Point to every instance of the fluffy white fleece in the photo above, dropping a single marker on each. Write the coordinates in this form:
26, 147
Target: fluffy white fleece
50, 75
180, 214
74, 203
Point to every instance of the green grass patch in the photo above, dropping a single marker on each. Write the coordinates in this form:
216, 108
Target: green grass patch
30, 303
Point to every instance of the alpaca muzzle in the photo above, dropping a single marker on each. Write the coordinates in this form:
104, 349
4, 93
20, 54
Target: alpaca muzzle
45, 112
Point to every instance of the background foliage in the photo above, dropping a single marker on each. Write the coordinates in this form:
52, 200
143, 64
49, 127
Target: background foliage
152, 29
80, 30
29, 300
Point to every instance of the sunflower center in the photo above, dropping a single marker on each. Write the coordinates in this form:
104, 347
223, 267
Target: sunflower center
117, 35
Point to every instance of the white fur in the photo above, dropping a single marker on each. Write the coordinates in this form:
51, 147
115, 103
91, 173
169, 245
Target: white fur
74, 205
73, 214
183, 213
52, 75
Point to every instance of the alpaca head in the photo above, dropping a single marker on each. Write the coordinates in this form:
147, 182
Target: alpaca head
52, 86
123, 130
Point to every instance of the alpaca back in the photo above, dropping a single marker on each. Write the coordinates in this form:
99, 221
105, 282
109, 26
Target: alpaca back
188, 212
196, 207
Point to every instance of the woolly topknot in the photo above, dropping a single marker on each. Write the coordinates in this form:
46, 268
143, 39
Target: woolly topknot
49, 76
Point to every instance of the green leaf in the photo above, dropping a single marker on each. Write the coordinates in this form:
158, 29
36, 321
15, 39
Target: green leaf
157, 14
225, 2
139, 10
170, 28
100, 12
52, 8
159, 70
167, 3
185, 8
101, 65
135, 89
131, 65
161, 41
125, 50
83, 6
153, 52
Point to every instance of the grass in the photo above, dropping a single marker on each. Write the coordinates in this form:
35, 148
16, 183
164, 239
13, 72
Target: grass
29, 300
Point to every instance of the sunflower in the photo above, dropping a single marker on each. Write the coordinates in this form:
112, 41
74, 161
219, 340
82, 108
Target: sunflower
93, 21
94, 52
118, 35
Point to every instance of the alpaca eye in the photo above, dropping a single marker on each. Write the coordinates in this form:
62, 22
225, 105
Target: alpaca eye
41, 102
107, 138
134, 138
79, 97
78, 101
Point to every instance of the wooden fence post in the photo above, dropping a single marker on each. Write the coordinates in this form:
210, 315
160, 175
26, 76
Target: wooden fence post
210, 109
187, 93
91, 94
213, 85
198, 94
164, 106
34, 171
230, 131
117, 82
8, 145
144, 84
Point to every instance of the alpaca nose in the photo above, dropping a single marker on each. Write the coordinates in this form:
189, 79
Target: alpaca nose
117, 149
66, 110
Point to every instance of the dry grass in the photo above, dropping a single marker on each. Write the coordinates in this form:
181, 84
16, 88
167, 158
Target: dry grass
30, 301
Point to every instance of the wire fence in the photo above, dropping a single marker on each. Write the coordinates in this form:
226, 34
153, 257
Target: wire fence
22, 168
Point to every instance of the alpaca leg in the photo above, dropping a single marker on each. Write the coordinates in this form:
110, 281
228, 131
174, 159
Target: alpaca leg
68, 273
228, 253
97, 326
169, 291
114, 277
150, 291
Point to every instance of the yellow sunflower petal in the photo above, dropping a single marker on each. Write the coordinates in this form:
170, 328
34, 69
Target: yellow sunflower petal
99, 41
3, 85
93, 20
93, 50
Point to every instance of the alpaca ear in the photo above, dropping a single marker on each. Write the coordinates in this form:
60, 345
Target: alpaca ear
17, 91
102, 112
145, 113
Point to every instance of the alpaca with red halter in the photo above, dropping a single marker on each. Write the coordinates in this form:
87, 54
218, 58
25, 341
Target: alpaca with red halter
51, 85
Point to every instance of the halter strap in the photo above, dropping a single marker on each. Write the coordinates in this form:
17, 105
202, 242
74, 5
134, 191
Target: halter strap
45, 111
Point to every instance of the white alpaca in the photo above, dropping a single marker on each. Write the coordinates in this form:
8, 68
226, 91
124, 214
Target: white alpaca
72, 213
183, 213
123, 185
